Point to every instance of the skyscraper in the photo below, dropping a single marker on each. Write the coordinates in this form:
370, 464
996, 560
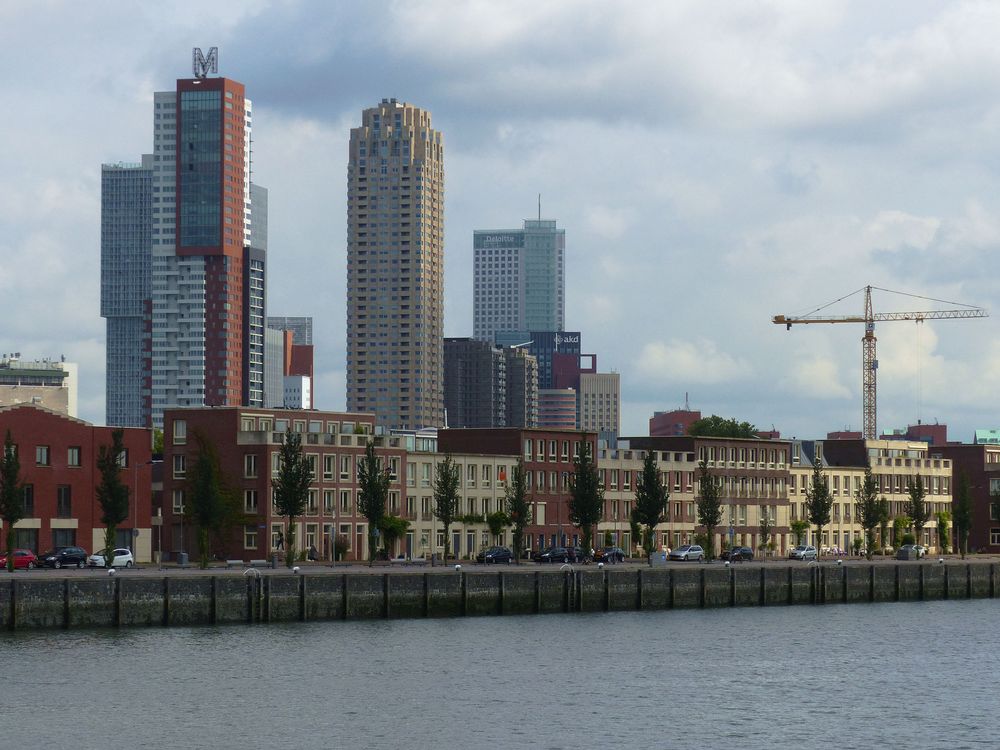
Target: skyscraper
205, 301
519, 281
395, 267
126, 227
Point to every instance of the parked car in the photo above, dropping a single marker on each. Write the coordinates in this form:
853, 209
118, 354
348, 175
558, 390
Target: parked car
122, 559
63, 557
688, 552
553, 554
24, 559
736, 554
610, 555
495, 555
802, 552
921, 550
910, 552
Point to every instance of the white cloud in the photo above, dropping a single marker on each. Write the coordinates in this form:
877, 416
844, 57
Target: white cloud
700, 361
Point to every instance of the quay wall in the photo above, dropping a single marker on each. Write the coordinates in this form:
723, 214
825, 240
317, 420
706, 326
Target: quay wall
207, 599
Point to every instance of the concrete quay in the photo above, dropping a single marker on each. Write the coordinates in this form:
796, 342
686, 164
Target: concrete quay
89, 599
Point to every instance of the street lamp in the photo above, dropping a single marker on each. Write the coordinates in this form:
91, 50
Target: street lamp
133, 514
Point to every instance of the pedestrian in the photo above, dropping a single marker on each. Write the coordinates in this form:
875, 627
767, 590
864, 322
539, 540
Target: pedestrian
280, 544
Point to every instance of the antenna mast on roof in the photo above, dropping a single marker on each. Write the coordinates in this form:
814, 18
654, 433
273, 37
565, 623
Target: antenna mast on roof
539, 206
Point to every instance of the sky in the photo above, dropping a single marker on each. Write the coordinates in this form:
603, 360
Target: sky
713, 165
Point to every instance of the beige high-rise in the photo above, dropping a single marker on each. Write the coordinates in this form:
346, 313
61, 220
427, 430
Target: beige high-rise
395, 267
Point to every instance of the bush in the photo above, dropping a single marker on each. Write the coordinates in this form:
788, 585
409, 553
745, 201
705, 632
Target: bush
908, 539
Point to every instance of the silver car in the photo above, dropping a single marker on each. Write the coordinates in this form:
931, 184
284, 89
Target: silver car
122, 559
688, 552
802, 552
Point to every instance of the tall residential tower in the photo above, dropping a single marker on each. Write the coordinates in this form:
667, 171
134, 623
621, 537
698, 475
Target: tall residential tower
395, 267
200, 283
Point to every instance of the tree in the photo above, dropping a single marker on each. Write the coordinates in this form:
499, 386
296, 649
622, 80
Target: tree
518, 508
715, 426
963, 514
916, 508
819, 502
869, 512
651, 498
943, 519
899, 526
112, 493
883, 522
447, 476
206, 494
766, 524
291, 487
11, 494
635, 529
709, 504
373, 489
799, 528
496, 522
392, 528
586, 502
157, 441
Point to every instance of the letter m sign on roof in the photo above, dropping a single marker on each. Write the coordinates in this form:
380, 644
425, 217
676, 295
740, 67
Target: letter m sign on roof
202, 65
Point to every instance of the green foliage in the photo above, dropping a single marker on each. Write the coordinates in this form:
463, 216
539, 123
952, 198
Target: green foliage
709, 502
869, 512
393, 528
469, 519
943, 519
916, 508
518, 508
883, 523
635, 528
586, 502
799, 528
766, 524
291, 487
112, 493
962, 508
373, 490
819, 501
899, 526
341, 546
715, 426
210, 501
446, 481
608, 538
907, 538
651, 498
11, 493
157, 441
857, 543
497, 521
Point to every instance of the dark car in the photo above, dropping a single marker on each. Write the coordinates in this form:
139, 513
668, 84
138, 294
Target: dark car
63, 557
738, 553
610, 555
495, 555
554, 554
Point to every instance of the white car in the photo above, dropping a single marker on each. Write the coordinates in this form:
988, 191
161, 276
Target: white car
122, 559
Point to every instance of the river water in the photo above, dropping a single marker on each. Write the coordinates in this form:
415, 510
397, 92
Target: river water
844, 676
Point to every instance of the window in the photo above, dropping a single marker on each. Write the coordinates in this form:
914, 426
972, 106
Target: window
312, 502
180, 467
73, 455
329, 467
178, 499
345, 502
250, 501
328, 502
345, 468
250, 466
180, 431
411, 474
41, 455
29, 500
312, 459
64, 501
275, 464
527, 449
249, 537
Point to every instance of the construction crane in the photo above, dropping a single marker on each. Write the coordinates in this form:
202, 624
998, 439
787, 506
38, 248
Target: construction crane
869, 362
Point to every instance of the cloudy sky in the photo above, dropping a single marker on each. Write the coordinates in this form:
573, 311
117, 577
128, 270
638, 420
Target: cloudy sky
712, 165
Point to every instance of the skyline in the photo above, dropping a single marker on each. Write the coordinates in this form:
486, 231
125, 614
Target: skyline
802, 152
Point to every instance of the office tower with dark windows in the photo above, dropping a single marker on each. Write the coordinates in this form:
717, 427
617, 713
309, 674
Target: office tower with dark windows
395, 267
126, 227
519, 281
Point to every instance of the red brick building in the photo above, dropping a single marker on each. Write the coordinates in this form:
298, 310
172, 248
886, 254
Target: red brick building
247, 441
58, 456
548, 457
980, 464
